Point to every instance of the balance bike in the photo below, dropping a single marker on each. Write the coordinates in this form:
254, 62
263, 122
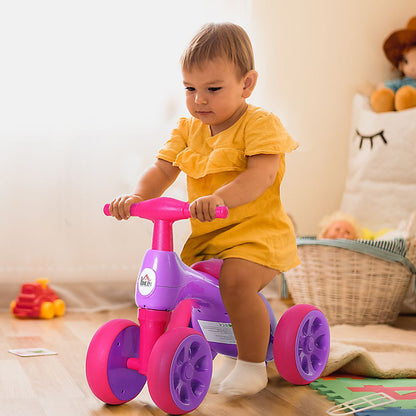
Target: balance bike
183, 324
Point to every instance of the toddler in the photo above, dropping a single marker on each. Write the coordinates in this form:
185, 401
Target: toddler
234, 155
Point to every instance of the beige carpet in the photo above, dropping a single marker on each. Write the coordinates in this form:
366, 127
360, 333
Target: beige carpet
374, 350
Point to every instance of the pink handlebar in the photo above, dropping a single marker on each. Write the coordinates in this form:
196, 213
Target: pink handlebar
165, 209
221, 212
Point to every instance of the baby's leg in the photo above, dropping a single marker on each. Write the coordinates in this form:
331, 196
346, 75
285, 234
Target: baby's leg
240, 282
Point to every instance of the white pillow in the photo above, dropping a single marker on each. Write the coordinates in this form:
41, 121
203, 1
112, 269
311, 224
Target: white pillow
380, 189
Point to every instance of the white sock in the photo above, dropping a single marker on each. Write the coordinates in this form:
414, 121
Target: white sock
223, 365
246, 378
144, 397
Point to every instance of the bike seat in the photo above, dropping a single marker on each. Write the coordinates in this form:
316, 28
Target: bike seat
211, 266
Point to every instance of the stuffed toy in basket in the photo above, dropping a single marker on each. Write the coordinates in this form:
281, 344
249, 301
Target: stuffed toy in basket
357, 282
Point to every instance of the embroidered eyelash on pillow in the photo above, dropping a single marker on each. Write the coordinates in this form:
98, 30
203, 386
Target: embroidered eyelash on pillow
380, 188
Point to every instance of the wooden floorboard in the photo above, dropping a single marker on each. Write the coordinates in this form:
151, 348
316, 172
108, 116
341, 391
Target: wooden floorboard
56, 385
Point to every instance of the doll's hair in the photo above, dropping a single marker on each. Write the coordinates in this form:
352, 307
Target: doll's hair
220, 40
338, 216
408, 48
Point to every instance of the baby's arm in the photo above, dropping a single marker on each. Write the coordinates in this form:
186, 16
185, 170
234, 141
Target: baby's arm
151, 184
259, 175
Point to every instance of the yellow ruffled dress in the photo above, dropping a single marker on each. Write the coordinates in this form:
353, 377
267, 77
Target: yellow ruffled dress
259, 231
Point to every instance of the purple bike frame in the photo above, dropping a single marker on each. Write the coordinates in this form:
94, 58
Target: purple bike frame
164, 282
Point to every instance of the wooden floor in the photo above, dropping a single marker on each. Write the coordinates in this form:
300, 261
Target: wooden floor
56, 385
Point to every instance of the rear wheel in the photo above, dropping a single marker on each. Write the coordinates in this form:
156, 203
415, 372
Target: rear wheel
12, 306
58, 307
301, 344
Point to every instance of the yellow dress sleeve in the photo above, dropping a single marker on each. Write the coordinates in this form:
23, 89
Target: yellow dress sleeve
265, 134
177, 142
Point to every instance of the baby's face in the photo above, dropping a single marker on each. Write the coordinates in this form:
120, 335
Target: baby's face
340, 229
408, 63
215, 94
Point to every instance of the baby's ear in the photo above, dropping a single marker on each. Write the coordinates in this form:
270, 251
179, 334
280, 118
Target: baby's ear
250, 80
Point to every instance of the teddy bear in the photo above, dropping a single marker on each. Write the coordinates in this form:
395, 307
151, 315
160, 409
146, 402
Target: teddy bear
399, 94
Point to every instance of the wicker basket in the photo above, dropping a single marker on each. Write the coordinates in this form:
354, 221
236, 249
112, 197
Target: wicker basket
349, 287
411, 239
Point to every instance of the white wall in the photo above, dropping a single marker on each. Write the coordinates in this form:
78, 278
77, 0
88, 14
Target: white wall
312, 57
89, 90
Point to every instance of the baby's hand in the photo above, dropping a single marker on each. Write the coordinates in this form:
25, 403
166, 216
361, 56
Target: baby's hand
120, 206
203, 208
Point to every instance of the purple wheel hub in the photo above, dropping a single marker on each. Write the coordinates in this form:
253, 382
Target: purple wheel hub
106, 362
191, 370
301, 344
124, 382
312, 345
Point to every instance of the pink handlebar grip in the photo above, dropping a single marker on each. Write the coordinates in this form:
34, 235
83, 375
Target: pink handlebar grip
221, 212
167, 209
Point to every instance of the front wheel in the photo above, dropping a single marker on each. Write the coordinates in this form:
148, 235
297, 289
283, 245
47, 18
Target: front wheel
106, 363
46, 310
301, 344
180, 369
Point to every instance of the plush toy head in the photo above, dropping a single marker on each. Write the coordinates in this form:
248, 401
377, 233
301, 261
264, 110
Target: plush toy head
339, 225
400, 50
400, 42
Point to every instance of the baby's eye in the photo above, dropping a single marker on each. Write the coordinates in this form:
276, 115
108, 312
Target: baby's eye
213, 89
190, 89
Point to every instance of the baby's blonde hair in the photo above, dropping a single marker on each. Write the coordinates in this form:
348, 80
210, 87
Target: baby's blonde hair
220, 40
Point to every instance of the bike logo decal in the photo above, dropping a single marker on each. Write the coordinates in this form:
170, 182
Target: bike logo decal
146, 281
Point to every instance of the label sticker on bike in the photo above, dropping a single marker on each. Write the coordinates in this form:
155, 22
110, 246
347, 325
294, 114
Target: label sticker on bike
146, 281
221, 332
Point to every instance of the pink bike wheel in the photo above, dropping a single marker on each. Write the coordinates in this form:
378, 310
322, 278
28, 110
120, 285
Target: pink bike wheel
301, 344
106, 363
179, 371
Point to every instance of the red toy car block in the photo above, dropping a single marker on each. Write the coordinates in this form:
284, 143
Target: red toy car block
37, 300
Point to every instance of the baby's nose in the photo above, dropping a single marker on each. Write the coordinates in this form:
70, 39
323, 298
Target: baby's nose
200, 99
